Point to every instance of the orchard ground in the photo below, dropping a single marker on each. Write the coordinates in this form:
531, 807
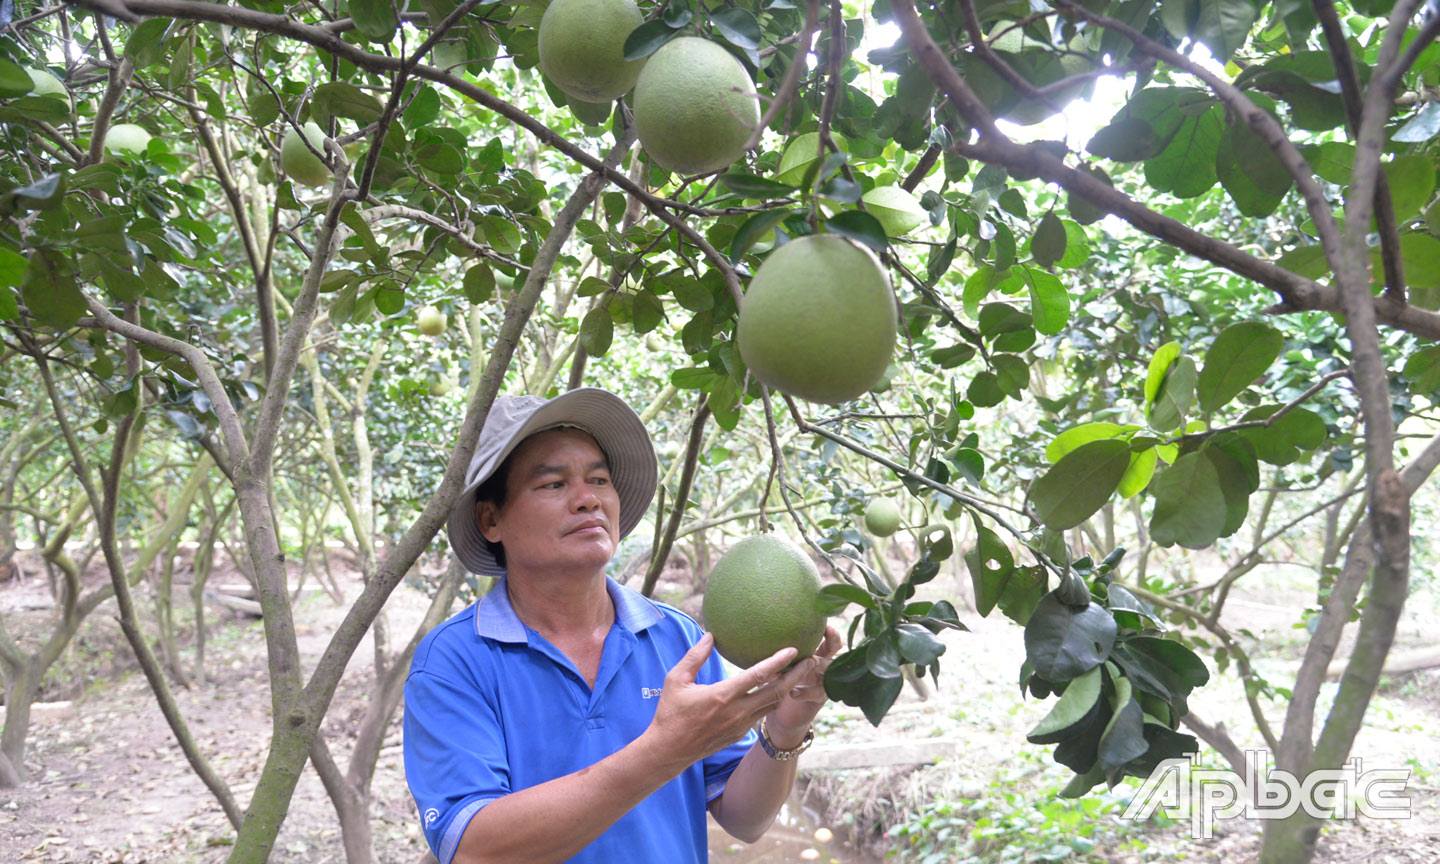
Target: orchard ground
109, 783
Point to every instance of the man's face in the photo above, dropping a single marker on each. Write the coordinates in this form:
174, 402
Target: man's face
561, 511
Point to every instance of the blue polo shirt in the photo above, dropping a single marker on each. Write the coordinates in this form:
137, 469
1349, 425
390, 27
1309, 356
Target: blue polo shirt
491, 707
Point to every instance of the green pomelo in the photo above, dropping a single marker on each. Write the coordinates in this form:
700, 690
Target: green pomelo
46, 84
127, 139
582, 47
818, 320
761, 598
899, 211
801, 154
882, 517
297, 160
591, 113
695, 107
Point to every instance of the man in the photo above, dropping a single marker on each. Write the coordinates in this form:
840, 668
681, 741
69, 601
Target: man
564, 717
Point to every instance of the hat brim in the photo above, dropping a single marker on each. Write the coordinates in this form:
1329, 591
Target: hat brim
615, 427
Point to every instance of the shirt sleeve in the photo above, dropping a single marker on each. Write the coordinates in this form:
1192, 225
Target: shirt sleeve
455, 759
721, 764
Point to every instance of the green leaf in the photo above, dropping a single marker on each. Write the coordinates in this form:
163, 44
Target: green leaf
592, 286
1189, 504
918, 645
996, 319
690, 293
751, 186
1421, 127
1138, 473
1080, 483
1049, 303
1186, 167
1177, 394
1223, 26
755, 229
146, 45
1331, 161
1124, 736
376, 19
1280, 443
737, 26
1048, 244
1084, 212
479, 284
1084, 433
441, 158
1412, 182
12, 268
14, 80
646, 311
1422, 369
343, 99
389, 298
1072, 712
1237, 176
596, 331
991, 566
50, 291
848, 680
833, 599
1239, 355
1063, 642
860, 227
1233, 485
648, 38
1159, 366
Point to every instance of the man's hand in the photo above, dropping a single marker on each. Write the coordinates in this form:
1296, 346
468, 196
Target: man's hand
792, 717
694, 720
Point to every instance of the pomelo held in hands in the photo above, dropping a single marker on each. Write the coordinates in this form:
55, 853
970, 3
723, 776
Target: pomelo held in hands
761, 598
695, 107
582, 48
818, 320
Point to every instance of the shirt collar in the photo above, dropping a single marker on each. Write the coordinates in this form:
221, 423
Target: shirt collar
495, 618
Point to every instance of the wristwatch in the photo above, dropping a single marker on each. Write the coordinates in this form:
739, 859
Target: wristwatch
774, 753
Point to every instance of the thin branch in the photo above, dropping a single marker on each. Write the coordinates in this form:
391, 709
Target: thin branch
1349, 79
119, 80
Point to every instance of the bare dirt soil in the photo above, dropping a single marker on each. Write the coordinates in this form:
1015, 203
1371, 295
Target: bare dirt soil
110, 785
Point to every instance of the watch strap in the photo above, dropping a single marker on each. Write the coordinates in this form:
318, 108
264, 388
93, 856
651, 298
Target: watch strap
782, 755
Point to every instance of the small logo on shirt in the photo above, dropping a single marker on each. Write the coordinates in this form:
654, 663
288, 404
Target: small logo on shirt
650, 692
430, 816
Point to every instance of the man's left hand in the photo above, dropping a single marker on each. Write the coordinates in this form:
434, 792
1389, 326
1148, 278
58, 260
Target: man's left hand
789, 722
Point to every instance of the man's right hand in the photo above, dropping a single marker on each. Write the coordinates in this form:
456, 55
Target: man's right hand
694, 720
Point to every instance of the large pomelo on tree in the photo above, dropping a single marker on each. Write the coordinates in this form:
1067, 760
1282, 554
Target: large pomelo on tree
297, 160
818, 320
695, 107
761, 598
582, 47
127, 139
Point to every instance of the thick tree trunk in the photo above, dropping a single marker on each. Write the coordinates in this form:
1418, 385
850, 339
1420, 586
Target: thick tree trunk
1290, 840
20, 692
